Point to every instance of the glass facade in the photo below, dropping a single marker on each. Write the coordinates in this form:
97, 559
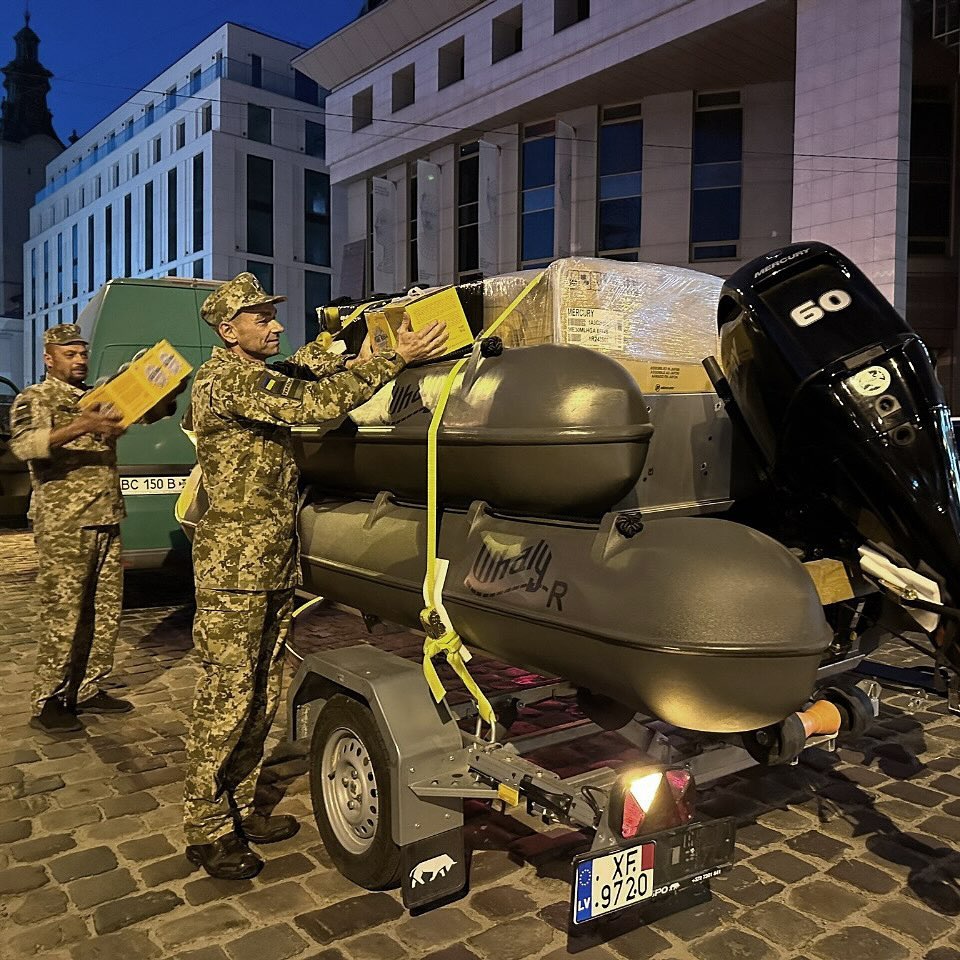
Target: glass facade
314, 139
412, 256
148, 226
172, 214
259, 206
91, 279
108, 242
59, 268
537, 179
74, 260
316, 218
128, 235
198, 203
263, 272
258, 123
316, 293
619, 182
468, 209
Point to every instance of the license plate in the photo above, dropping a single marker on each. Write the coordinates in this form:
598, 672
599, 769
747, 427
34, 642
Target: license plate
607, 883
660, 865
144, 486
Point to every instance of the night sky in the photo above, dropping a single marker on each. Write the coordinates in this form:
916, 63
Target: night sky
103, 51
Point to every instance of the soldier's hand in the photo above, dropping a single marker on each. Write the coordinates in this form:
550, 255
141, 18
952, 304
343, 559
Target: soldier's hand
424, 344
103, 424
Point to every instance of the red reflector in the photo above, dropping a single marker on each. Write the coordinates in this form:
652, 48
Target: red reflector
679, 781
633, 817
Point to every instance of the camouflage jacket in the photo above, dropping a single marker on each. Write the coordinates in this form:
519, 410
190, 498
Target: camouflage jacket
77, 484
242, 413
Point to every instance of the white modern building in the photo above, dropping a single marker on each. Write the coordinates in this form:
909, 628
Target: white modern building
217, 166
479, 136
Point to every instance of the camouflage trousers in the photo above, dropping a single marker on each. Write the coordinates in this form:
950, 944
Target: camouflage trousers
241, 638
81, 593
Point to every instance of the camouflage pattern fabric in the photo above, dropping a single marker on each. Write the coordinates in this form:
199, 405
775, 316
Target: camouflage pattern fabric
62, 334
240, 293
242, 413
76, 485
241, 639
81, 591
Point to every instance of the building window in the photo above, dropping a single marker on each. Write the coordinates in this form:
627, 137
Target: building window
170, 99
450, 63
931, 148
74, 260
412, 227
97, 188
194, 81
568, 12
717, 156
172, 272
619, 182
404, 88
362, 109
263, 272
468, 209
206, 118
108, 241
181, 135
316, 218
537, 179
115, 176
148, 113
198, 203
33, 279
135, 163
156, 150
314, 139
91, 279
198, 268
507, 36
128, 235
259, 206
258, 123
256, 70
46, 274
316, 293
305, 89
59, 268
172, 214
148, 226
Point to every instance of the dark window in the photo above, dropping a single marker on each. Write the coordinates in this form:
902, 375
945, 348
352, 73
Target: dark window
468, 208
404, 88
206, 118
931, 148
362, 109
568, 12
148, 226
259, 206
538, 174
258, 123
194, 81
412, 227
148, 112
507, 37
314, 139
305, 89
256, 70
181, 134
198, 268
619, 180
316, 218
170, 101
135, 163
263, 272
108, 242
172, 214
59, 268
717, 172
156, 153
128, 235
198, 203
74, 260
90, 261
450, 63
33, 279
316, 293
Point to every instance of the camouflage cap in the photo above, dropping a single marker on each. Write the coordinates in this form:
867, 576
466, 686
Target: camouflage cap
62, 334
240, 293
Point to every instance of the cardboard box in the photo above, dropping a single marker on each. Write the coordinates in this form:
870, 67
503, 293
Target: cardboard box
142, 385
658, 376
423, 310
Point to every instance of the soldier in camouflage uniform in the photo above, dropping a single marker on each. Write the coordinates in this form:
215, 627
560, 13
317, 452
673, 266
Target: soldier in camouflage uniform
76, 508
245, 551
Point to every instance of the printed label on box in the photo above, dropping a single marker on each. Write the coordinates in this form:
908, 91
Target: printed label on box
596, 328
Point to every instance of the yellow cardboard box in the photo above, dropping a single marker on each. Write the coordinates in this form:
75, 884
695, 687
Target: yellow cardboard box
660, 376
145, 382
423, 310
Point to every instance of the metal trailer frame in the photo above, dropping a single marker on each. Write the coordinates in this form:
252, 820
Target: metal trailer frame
434, 765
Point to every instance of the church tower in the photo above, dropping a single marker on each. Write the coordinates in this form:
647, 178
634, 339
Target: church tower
28, 143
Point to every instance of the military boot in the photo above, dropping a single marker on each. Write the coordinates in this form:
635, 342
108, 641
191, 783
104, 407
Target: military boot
258, 828
227, 858
56, 717
102, 702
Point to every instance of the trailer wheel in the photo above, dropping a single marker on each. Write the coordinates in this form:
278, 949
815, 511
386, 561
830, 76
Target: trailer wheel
856, 709
350, 788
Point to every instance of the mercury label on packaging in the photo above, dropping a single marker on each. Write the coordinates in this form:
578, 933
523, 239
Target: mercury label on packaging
595, 327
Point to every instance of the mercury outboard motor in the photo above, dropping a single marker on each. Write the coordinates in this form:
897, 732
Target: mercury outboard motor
842, 402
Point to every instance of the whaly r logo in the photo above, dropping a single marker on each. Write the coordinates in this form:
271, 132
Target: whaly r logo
405, 402
503, 569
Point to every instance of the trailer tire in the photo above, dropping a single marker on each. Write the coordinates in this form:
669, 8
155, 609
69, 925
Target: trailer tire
349, 765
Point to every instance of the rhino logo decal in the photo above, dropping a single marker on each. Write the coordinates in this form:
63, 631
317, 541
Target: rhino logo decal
430, 869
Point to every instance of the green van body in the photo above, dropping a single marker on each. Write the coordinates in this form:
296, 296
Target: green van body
125, 316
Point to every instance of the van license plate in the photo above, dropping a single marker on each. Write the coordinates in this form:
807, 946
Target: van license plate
614, 881
141, 486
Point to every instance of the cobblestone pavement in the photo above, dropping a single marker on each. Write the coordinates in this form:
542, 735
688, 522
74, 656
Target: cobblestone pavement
848, 855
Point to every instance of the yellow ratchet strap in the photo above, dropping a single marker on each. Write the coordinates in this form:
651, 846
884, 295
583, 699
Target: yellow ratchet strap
441, 636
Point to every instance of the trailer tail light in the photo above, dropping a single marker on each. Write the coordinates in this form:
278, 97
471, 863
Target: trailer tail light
652, 801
